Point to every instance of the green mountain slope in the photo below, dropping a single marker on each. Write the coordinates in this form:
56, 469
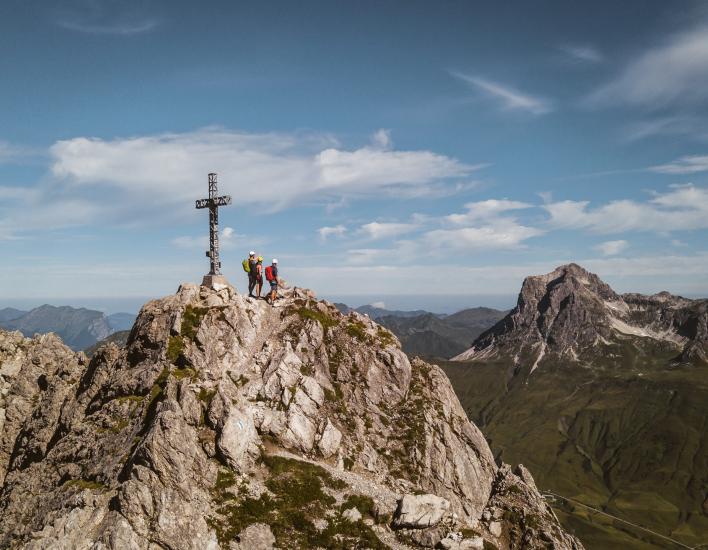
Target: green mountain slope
604, 397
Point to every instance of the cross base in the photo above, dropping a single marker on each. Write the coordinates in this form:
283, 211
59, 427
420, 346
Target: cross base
215, 282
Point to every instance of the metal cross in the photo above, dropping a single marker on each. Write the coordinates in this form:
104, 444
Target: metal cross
213, 203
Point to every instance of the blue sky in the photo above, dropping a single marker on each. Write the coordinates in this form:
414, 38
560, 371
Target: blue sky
392, 151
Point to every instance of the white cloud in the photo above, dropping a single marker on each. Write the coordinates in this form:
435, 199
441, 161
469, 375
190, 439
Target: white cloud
612, 248
272, 170
585, 54
682, 208
684, 165
377, 230
336, 231
674, 72
382, 139
485, 210
485, 225
510, 98
503, 235
380, 305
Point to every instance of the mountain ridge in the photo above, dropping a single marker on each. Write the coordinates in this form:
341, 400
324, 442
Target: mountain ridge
571, 311
79, 328
606, 395
224, 419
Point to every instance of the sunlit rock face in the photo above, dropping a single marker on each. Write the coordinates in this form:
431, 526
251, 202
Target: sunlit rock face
225, 419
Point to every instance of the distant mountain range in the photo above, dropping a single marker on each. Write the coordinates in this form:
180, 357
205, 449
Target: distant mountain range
430, 334
79, 328
605, 396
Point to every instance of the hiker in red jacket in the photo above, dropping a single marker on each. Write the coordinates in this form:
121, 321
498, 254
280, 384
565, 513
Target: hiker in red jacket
271, 273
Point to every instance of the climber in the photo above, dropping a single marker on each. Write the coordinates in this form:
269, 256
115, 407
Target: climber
259, 275
271, 273
251, 272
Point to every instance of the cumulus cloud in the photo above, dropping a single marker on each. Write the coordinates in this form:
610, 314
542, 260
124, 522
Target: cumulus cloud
271, 170
509, 98
673, 72
684, 207
684, 165
612, 248
336, 231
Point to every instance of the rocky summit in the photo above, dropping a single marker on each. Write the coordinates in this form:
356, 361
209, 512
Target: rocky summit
227, 423
571, 314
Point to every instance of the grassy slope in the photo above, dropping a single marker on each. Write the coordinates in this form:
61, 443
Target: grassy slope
631, 440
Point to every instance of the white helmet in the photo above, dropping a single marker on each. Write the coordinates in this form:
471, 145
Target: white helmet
275, 260
252, 253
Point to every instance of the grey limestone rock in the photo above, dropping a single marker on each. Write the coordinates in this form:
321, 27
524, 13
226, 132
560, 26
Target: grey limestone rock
195, 433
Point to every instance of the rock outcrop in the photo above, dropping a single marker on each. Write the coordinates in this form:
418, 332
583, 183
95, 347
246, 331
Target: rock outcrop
227, 423
571, 314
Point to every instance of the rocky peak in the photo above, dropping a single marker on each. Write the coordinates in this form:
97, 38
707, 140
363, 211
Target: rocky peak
571, 313
227, 423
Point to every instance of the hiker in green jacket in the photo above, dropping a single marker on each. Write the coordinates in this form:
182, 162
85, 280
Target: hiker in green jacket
251, 272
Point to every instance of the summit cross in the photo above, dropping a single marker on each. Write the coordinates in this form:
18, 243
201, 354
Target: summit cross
213, 203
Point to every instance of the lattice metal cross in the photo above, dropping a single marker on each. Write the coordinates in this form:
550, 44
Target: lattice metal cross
213, 203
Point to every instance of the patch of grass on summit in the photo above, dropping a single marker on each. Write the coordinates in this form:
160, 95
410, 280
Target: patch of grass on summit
322, 318
385, 337
191, 319
175, 347
356, 329
299, 494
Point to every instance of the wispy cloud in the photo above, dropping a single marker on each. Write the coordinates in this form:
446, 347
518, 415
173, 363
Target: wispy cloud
228, 239
509, 98
108, 18
673, 72
335, 231
486, 210
612, 248
378, 230
10, 153
582, 53
684, 165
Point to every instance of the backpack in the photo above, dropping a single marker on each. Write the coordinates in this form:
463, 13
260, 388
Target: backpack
269, 273
246, 266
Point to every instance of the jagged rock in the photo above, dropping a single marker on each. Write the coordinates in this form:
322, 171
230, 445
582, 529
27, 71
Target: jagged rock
569, 312
219, 405
329, 440
427, 538
420, 511
453, 543
352, 515
238, 440
256, 536
495, 528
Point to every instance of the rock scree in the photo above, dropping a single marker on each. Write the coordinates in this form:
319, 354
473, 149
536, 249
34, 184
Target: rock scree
227, 423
